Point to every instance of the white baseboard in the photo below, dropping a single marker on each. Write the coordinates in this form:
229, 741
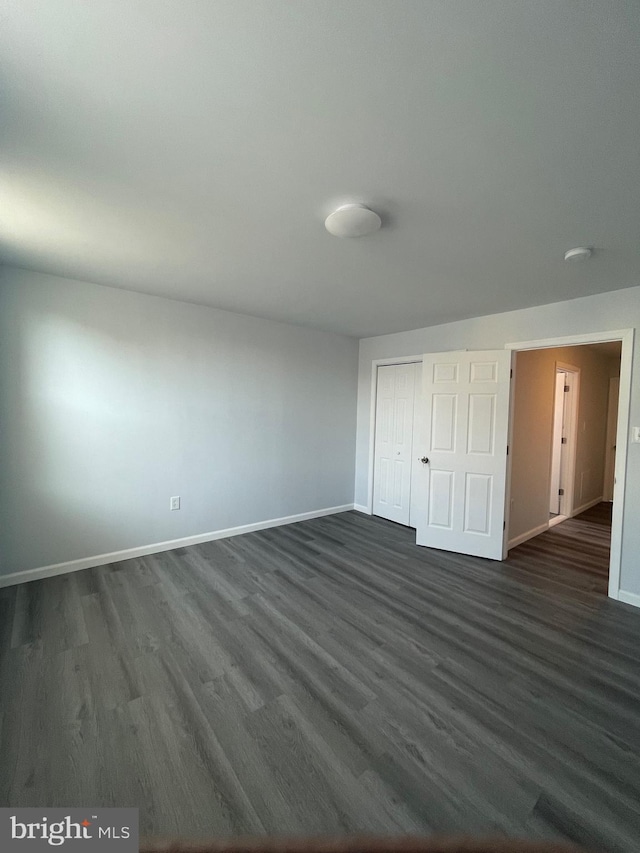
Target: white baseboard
535, 531
362, 508
157, 547
629, 598
586, 506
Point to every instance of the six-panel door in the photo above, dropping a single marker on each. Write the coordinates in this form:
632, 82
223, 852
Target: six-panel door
464, 423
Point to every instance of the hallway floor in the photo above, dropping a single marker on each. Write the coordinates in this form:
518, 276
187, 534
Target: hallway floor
579, 546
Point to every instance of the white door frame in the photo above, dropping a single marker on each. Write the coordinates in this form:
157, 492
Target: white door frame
408, 359
626, 336
614, 382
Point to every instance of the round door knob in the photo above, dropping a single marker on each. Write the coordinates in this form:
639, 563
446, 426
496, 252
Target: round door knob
424, 459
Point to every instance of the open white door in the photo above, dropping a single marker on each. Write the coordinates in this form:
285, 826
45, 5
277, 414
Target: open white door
464, 427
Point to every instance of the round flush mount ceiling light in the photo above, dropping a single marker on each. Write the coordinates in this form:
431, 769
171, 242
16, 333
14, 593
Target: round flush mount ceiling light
352, 220
581, 254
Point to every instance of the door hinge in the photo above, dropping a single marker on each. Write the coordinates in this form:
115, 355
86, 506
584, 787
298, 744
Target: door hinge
564, 441
504, 525
566, 388
507, 449
511, 373
561, 491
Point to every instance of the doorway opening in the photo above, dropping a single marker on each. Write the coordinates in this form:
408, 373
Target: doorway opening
565, 404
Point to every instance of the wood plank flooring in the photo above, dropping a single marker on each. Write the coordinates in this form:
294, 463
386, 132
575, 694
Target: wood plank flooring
579, 547
330, 677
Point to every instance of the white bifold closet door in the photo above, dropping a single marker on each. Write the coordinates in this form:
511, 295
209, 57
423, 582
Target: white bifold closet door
395, 397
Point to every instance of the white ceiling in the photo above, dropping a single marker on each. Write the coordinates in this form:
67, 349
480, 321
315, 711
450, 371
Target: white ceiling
192, 148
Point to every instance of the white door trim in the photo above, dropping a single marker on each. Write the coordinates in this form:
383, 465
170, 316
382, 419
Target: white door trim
626, 336
408, 359
614, 396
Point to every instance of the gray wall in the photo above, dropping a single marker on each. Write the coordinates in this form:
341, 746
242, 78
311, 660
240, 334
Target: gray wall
610, 311
112, 401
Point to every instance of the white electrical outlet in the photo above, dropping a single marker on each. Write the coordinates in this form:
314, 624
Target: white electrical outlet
636, 435
174, 503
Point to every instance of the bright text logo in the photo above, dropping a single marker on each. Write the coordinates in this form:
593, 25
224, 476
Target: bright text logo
105, 830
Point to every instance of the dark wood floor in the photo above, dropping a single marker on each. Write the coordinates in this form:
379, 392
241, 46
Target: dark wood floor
579, 547
330, 677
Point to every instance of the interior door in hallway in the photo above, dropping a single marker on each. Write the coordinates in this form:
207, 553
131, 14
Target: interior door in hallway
463, 445
558, 441
395, 397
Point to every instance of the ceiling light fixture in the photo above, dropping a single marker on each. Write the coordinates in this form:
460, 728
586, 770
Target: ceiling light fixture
580, 254
352, 220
